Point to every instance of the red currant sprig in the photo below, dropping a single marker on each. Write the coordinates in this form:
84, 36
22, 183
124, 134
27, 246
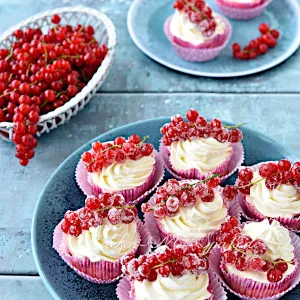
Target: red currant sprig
166, 261
274, 174
103, 155
173, 195
95, 211
258, 46
244, 253
199, 127
199, 13
40, 73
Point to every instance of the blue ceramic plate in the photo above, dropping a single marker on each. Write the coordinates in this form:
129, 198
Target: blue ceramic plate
62, 193
146, 20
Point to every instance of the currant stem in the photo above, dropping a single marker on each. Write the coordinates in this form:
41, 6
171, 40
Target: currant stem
234, 126
10, 54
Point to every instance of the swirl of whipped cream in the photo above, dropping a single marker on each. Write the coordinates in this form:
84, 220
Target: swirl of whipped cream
128, 175
106, 242
279, 245
187, 31
284, 201
197, 221
202, 154
186, 287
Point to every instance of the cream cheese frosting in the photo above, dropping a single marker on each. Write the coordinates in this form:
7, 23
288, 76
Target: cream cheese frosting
204, 154
197, 221
283, 201
187, 31
279, 245
124, 176
185, 287
106, 242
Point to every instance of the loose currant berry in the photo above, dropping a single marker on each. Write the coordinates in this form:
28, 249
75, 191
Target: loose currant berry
213, 182
274, 275
55, 19
246, 175
192, 115
284, 165
256, 264
229, 193
265, 170
92, 203
135, 139
241, 263
264, 28
281, 265
229, 257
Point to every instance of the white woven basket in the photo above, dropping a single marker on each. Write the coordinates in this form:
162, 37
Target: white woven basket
104, 34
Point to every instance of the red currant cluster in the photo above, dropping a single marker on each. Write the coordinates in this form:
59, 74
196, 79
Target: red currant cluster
200, 13
166, 261
283, 172
244, 253
95, 211
173, 195
258, 46
198, 127
103, 155
42, 72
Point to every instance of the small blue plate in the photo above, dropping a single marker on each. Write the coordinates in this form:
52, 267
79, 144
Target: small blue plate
146, 19
62, 193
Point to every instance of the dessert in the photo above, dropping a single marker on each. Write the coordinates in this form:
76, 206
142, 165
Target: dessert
93, 239
176, 274
188, 211
195, 32
198, 148
242, 9
258, 260
271, 190
130, 167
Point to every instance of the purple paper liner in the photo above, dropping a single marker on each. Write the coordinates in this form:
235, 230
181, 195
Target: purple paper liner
205, 52
261, 290
232, 163
132, 196
159, 236
102, 272
125, 289
250, 212
240, 12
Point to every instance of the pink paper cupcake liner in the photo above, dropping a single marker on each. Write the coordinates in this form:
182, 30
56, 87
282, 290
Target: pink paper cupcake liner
159, 236
250, 212
204, 52
226, 169
102, 272
132, 196
241, 11
248, 289
125, 289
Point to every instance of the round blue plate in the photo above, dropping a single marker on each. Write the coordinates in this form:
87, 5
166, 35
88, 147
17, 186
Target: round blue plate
62, 193
146, 20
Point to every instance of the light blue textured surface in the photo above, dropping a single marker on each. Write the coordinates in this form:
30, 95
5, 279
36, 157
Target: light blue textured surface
146, 21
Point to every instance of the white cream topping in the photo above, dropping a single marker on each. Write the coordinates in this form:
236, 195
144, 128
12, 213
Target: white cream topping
105, 242
186, 287
279, 245
187, 31
202, 154
197, 221
284, 201
128, 175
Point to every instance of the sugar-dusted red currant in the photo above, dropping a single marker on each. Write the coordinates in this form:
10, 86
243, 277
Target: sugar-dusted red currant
274, 275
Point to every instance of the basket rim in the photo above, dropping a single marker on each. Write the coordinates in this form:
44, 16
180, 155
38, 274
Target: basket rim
111, 32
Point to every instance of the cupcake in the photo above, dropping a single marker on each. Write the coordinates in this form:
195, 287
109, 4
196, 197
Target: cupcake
197, 149
174, 274
129, 167
271, 190
195, 32
93, 239
242, 9
188, 211
259, 260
